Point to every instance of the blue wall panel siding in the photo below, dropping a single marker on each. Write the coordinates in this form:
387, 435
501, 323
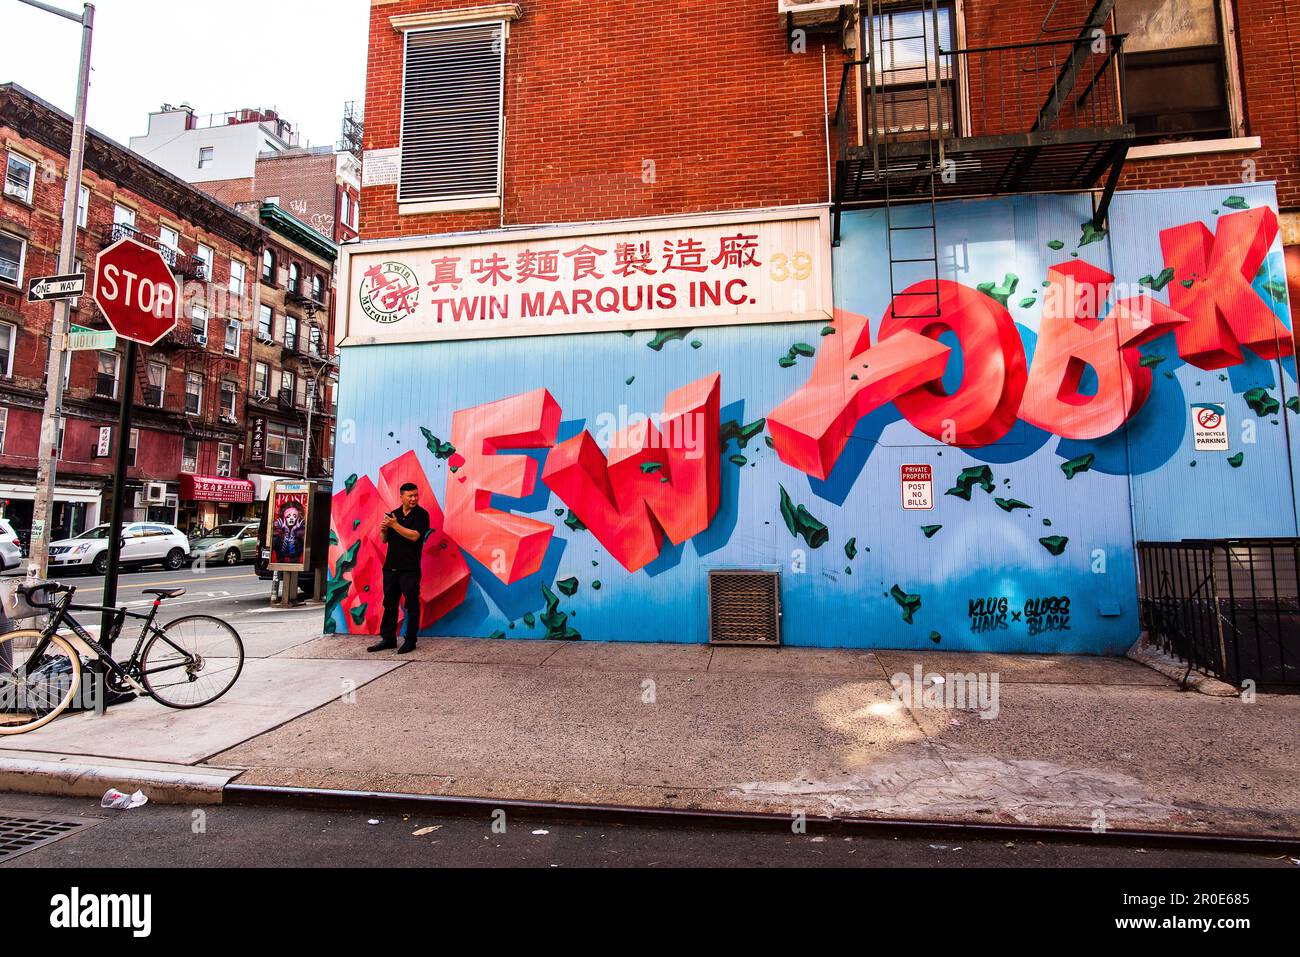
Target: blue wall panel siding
1041, 562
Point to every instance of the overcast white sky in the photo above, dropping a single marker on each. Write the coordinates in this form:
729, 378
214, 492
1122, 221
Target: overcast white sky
305, 58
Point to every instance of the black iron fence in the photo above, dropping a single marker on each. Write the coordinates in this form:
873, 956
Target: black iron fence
1230, 607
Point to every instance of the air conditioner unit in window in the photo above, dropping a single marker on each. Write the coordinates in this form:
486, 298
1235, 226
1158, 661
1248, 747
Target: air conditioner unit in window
816, 16
139, 500
200, 339
155, 493
265, 339
173, 501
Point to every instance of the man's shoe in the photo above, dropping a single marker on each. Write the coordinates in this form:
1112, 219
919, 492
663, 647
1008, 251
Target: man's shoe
407, 648
388, 644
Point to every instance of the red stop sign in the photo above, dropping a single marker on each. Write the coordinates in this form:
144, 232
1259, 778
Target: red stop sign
137, 292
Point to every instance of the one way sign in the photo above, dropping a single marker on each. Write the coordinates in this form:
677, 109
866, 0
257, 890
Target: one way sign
51, 288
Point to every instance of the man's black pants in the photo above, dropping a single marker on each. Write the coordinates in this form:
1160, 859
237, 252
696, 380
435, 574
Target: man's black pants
404, 587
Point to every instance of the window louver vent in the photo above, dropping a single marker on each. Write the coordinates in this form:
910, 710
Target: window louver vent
744, 608
451, 114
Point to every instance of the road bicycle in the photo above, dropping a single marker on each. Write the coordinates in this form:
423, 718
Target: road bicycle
186, 664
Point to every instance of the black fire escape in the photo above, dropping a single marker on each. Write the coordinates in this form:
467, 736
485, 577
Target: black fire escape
935, 120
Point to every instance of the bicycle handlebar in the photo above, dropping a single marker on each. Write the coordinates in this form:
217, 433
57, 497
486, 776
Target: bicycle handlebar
53, 588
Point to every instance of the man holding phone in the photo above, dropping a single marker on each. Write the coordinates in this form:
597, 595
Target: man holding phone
404, 531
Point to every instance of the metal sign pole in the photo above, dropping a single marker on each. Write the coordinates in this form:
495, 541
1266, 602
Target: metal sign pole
119, 493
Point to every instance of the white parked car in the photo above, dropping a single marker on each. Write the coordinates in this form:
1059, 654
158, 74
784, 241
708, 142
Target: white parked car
11, 547
144, 543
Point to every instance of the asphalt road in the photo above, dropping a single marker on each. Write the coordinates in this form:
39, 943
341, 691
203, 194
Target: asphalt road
226, 836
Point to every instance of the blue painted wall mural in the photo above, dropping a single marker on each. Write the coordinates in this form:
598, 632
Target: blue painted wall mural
1052, 405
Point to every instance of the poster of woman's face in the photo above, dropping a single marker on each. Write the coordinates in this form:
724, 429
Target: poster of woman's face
289, 506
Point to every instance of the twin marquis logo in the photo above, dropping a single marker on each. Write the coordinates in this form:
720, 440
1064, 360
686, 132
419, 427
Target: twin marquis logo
389, 292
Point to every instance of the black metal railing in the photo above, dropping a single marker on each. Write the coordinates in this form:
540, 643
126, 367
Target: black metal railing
1229, 607
116, 231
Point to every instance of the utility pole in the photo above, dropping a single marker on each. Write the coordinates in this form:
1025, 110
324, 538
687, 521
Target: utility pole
47, 468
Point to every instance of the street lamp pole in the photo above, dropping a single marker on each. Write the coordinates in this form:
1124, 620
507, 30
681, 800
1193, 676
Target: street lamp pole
47, 467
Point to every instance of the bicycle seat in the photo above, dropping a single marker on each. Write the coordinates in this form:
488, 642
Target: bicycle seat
162, 593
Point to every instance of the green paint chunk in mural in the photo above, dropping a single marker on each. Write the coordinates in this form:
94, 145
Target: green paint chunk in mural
1293, 404
569, 586
630, 334
1047, 523
1056, 544
770, 443
696, 344
1169, 375
1083, 463
801, 522
803, 349
929, 531
1150, 362
497, 635
828, 331
743, 434
1236, 202
910, 604
1188, 283
786, 362
441, 450
1261, 402
848, 571
555, 621
1002, 293
351, 482
1237, 460
356, 523
667, 336
650, 468
574, 523
936, 637
1010, 504
358, 614
559, 512
1028, 303
595, 564
630, 380
1091, 234
851, 548
455, 469
1276, 290
1056, 245
980, 475
596, 585
334, 539
854, 377
1158, 282
337, 588
530, 620
739, 460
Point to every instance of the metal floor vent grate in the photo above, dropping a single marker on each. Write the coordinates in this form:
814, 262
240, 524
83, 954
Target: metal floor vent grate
744, 608
20, 834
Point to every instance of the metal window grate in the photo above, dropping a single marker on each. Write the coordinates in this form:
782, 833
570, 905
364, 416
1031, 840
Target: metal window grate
744, 608
20, 834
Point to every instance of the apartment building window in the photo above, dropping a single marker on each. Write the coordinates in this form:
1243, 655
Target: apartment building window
225, 460
207, 257
1176, 68
288, 387
268, 266
58, 447
266, 324
232, 337
261, 380
229, 398
318, 288
199, 320
903, 52
106, 376
238, 272
313, 338
290, 332
20, 178
132, 447
124, 216
285, 447
77, 267
190, 456
12, 252
207, 156
295, 279
8, 337
83, 206
156, 374
193, 393
4, 427
304, 392
452, 114
346, 211
169, 244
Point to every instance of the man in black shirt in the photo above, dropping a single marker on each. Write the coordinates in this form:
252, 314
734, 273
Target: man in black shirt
404, 530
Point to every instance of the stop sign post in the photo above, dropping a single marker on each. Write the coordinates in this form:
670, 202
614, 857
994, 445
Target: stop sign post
135, 289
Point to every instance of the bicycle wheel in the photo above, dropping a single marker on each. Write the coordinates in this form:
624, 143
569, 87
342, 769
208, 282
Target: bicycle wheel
34, 693
192, 662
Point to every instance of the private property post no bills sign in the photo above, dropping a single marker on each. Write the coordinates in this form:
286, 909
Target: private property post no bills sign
1210, 426
918, 488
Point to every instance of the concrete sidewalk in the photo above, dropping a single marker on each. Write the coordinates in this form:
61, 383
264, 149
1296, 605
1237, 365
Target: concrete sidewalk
1075, 742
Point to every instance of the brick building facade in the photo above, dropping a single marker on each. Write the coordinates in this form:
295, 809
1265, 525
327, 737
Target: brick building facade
190, 393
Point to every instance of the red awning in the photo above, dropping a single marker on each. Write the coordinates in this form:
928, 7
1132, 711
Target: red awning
205, 488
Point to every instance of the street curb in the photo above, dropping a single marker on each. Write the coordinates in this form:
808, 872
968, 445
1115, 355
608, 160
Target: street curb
255, 795
34, 772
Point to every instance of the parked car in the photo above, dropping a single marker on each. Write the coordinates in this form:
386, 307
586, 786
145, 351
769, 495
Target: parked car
228, 544
11, 547
143, 543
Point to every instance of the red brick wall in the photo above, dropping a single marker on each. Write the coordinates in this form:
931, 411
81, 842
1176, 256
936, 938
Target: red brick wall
729, 116
306, 185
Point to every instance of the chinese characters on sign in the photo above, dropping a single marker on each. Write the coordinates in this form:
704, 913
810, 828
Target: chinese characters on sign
707, 274
257, 448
